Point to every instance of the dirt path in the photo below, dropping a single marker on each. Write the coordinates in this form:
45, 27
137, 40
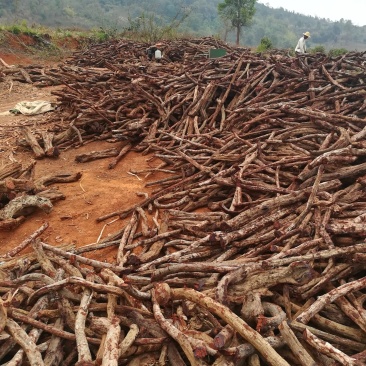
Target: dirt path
100, 190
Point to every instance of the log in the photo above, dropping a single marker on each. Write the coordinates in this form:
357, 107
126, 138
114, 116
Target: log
32, 142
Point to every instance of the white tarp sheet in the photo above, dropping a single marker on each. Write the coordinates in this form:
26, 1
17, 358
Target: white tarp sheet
31, 108
35, 107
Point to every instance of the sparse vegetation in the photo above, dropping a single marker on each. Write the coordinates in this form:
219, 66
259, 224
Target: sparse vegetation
150, 28
101, 34
22, 27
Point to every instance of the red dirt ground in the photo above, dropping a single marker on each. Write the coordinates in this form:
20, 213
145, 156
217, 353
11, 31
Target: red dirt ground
99, 192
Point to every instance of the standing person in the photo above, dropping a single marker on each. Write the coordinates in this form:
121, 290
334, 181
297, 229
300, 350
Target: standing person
301, 44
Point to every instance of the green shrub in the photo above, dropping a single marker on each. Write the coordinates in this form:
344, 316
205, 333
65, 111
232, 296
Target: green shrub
15, 29
337, 52
265, 45
317, 49
63, 33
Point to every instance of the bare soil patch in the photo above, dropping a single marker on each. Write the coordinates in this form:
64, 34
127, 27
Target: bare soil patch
99, 192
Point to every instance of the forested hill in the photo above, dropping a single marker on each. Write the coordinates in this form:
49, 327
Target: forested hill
282, 27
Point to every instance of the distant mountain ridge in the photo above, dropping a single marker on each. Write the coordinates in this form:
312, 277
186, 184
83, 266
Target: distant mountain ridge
282, 27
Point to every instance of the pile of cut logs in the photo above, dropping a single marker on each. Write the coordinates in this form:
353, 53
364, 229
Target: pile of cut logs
251, 250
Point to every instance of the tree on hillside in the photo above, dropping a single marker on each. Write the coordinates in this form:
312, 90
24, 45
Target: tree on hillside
238, 12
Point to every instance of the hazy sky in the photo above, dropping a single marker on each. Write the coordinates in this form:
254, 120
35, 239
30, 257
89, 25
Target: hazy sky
354, 10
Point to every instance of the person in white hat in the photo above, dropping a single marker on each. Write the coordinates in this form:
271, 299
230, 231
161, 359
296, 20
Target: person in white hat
301, 45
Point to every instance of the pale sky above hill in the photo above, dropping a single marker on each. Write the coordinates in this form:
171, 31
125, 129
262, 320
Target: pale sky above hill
354, 10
